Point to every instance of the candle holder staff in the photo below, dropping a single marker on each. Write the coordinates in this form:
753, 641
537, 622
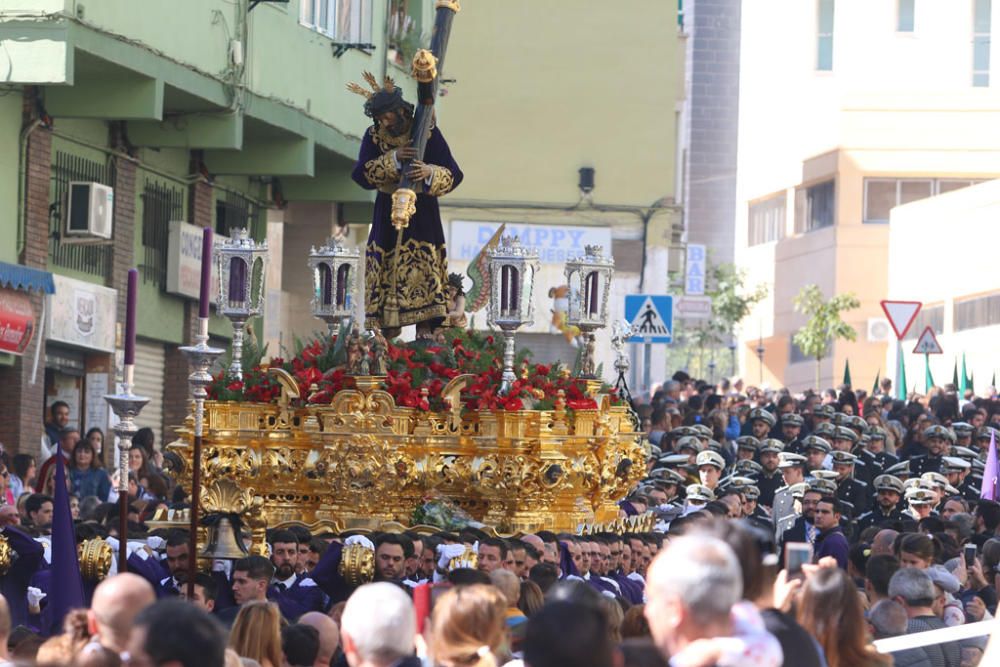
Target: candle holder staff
126, 406
200, 356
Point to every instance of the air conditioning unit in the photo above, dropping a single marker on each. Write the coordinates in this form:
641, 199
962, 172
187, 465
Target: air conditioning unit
879, 330
88, 213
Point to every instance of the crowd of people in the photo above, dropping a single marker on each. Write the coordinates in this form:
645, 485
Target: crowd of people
790, 530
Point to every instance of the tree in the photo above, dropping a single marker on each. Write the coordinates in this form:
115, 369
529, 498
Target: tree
825, 325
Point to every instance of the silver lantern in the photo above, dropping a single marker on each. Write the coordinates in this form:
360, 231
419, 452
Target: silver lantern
242, 263
589, 280
335, 277
512, 270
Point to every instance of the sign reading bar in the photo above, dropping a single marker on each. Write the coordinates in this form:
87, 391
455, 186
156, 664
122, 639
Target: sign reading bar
694, 269
184, 261
555, 243
17, 321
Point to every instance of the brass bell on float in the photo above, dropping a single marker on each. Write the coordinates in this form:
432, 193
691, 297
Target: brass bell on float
223, 541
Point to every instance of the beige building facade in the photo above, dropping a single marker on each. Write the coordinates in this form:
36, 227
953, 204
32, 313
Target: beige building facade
596, 89
860, 106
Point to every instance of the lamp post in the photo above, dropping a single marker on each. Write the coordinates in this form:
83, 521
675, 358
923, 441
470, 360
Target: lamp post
242, 264
760, 360
589, 280
335, 274
512, 270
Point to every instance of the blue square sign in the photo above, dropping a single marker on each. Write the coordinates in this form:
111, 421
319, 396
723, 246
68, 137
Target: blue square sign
651, 317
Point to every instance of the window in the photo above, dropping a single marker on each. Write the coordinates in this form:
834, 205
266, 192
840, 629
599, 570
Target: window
92, 259
767, 220
824, 42
161, 204
814, 206
906, 15
404, 30
795, 353
234, 211
680, 15
883, 194
982, 17
348, 21
977, 312
929, 316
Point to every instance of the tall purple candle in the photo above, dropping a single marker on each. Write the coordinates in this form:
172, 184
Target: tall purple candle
206, 272
237, 280
132, 295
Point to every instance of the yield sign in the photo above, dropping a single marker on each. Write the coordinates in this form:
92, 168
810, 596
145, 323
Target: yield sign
901, 315
928, 343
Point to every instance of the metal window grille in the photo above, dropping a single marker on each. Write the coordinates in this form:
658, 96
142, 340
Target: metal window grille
929, 316
982, 311
93, 259
161, 203
233, 211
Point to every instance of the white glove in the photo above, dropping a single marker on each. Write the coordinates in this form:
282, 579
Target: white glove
448, 551
359, 539
35, 596
155, 542
113, 543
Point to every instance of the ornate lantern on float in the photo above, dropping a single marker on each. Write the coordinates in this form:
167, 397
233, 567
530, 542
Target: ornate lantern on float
335, 277
589, 280
242, 263
512, 270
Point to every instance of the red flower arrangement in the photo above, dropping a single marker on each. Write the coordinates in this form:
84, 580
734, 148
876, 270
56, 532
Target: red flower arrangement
417, 374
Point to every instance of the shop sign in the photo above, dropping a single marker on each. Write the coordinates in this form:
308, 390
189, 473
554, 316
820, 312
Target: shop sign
17, 321
184, 261
555, 243
82, 314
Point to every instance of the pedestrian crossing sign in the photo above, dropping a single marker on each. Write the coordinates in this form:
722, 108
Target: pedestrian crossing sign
651, 317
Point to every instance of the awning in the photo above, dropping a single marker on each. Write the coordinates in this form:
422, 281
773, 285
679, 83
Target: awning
26, 278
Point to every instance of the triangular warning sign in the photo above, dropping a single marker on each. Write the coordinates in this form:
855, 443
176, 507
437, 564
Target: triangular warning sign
901, 315
648, 321
928, 343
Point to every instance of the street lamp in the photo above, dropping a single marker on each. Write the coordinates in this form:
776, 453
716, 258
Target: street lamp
589, 280
335, 277
512, 270
242, 263
760, 360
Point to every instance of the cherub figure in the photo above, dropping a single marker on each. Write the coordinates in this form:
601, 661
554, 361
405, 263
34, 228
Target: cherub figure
455, 292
